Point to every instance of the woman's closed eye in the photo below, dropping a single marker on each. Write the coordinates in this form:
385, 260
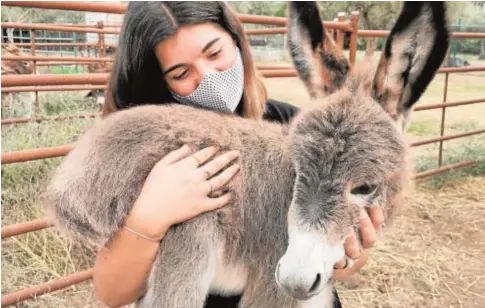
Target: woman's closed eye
215, 54
181, 75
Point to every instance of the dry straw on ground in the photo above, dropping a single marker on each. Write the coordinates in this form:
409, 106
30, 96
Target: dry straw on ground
432, 256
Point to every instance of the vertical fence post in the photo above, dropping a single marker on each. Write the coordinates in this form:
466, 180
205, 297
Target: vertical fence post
341, 33
75, 50
102, 48
34, 52
333, 32
96, 48
60, 40
448, 56
354, 21
101, 43
443, 112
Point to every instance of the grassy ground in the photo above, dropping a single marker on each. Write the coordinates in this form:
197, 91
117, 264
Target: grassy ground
429, 259
41, 256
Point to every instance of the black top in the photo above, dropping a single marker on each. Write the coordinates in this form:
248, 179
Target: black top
276, 112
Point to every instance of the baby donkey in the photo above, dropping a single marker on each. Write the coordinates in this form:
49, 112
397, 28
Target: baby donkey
300, 187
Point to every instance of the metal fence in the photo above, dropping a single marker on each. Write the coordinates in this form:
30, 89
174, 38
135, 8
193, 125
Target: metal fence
59, 82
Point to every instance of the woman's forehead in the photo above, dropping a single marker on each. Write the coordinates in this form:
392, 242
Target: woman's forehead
189, 41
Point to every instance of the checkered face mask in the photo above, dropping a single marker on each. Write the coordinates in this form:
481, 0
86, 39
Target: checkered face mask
219, 91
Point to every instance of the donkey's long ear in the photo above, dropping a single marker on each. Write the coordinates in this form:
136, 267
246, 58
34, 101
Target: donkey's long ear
413, 53
318, 60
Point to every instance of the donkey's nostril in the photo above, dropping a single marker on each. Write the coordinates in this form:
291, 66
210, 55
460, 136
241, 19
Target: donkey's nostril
315, 284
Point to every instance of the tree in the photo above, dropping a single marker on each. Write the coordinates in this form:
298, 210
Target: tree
481, 5
469, 17
31, 15
373, 15
265, 8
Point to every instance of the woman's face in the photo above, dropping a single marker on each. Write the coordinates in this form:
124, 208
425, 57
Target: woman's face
194, 51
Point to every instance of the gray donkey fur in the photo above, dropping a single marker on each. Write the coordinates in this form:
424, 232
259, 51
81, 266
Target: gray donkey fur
300, 187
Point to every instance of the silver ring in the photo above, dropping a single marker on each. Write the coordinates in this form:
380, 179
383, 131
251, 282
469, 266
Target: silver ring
349, 262
208, 174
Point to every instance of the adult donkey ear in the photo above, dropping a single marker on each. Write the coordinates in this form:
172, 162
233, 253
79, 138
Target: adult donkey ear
414, 51
318, 60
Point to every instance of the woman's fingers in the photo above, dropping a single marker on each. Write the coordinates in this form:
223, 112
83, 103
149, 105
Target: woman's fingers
352, 246
367, 230
176, 155
368, 225
341, 264
341, 274
210, 204
222, 179
217, 164
200, 157
376, 216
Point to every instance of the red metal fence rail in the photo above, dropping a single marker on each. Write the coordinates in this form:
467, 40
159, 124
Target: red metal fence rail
49, 58
101, 78
97, 81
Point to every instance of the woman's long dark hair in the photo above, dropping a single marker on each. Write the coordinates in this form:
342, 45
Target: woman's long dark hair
137, 78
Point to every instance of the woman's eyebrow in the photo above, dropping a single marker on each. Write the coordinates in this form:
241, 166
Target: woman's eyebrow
173, 67
207, 46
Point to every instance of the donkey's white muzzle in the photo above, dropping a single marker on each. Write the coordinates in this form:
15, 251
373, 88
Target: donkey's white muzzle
307, 264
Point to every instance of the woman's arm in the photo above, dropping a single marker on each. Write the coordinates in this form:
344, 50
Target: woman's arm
122, 268
177, 189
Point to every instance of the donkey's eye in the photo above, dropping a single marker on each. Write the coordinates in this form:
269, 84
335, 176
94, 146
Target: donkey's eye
365, 189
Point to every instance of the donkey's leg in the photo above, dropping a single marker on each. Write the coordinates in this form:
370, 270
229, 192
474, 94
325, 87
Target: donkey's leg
184, 269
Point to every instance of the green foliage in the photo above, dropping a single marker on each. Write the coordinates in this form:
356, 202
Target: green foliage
423, 128
266, 8
30, 15
66, 103
67, 69
373, 15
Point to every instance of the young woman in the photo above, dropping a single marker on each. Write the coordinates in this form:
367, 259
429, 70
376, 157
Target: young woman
192, 53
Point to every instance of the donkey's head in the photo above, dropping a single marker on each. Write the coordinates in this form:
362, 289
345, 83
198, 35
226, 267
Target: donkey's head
16, 67
348, 150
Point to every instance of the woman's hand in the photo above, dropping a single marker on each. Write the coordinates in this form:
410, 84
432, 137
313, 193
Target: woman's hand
178, 188
370, 221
